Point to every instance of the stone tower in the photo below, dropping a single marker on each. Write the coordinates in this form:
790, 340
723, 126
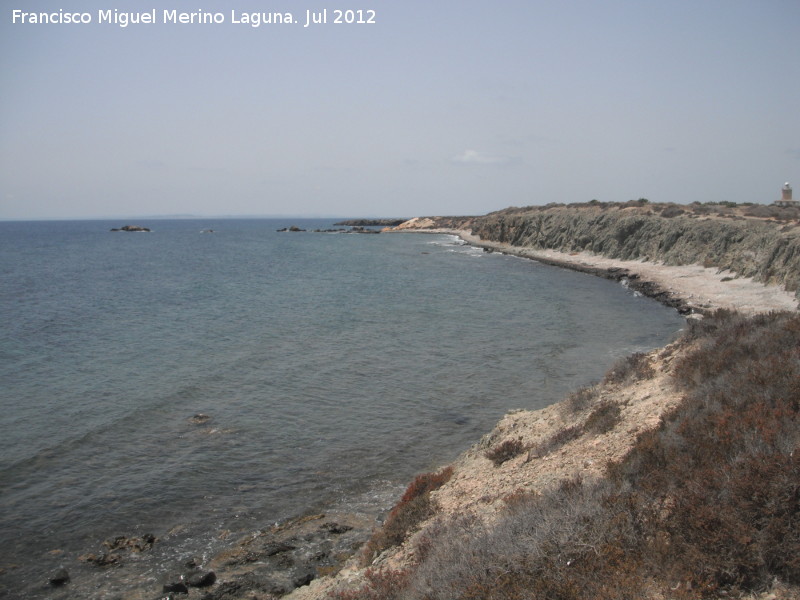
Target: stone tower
786, 196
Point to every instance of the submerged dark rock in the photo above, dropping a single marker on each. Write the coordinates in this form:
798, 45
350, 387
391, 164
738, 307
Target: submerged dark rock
335, 528
199, 419
200, 578
59, 577
134, 544
177, 587
106, 559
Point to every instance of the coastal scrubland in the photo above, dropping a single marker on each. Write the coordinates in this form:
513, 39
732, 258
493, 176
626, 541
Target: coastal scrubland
703, 502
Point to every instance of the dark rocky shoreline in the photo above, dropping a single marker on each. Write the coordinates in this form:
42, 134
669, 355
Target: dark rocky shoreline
631, 280
264, 564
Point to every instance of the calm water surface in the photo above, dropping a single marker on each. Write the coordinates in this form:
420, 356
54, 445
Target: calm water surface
332, 367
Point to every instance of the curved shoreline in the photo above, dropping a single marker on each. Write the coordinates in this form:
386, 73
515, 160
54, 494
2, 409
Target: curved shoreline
480, 489
690, 289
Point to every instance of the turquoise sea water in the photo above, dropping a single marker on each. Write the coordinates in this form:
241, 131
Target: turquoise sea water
333, 368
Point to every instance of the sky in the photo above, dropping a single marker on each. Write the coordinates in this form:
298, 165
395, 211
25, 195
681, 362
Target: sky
439, 107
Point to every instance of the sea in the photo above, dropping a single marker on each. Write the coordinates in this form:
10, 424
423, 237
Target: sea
219, 375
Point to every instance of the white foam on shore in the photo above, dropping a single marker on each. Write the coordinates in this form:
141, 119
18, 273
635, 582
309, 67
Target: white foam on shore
701, 287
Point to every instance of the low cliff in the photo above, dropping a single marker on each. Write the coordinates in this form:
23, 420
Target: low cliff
675, 477
752, 241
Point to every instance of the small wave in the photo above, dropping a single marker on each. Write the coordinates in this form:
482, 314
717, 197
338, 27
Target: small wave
449, 240
625, 282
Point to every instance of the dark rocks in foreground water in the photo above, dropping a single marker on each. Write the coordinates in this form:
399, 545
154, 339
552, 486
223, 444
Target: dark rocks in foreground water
134, 544
293, 228
175, 587
106, 559
285, 557
268, 563
200, 578
116, 547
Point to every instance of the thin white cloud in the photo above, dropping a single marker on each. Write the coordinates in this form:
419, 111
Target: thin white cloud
474, 157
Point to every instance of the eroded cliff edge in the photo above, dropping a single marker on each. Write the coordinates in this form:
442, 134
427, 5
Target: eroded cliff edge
758, 242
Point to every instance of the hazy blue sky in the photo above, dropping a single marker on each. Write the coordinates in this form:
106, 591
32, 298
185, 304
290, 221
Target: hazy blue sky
441, 107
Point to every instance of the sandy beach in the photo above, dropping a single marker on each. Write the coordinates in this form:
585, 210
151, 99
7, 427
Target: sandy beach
699, 289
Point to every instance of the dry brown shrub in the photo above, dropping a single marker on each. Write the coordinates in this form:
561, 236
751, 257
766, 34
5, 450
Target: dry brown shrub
380, 584
580, 399
603, 418
414, 507
505, 451
557, 440
634, 367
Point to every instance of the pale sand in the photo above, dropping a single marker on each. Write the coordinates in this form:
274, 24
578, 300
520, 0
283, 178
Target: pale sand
702, 288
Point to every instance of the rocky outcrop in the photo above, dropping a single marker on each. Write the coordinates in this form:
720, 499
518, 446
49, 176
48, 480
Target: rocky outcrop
371, 222
767, 250
285, 557
133, 228
117, 548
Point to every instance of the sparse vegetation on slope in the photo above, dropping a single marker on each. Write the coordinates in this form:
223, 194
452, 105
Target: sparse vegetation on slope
706, 505
414, 507
762, 242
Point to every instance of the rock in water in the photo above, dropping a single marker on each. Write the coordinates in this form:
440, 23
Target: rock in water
177, 587
130, 228
59, 577
199, 419
200, 578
